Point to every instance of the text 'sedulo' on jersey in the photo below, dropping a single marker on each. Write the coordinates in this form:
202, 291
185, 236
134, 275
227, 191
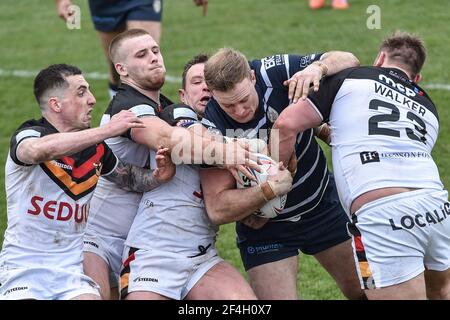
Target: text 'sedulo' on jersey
383, 128
48, 203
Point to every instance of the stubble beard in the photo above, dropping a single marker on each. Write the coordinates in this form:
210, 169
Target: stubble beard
155, 82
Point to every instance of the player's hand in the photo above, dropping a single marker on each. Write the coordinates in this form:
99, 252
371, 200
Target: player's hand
203, 3
165, 169
254, 145
281, 181
254, 222
300, 82
238, 157
64, 9
123, 121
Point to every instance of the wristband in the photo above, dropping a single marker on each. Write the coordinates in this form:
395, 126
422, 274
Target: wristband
267, 191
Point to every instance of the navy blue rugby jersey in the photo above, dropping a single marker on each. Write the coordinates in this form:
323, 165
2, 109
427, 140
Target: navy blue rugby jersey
312, 173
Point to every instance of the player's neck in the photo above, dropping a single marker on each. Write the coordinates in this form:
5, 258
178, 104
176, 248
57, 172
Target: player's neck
58, 124
152, 94
394, 66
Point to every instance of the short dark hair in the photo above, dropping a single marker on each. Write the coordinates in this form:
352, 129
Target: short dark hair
406, 49
117, 41
200, 58
52, 77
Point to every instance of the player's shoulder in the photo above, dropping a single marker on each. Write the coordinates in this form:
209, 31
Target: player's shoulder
177, 113
36, 128
127, 98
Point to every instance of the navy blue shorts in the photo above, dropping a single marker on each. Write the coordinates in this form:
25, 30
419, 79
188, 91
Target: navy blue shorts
316, 231
111, 15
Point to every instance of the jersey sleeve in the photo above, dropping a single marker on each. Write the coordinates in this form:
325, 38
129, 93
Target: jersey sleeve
323, 99
109, 160
21, 135
276, 69
180, 115
139, 110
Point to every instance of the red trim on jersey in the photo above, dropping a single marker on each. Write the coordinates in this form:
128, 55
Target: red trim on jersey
85, 167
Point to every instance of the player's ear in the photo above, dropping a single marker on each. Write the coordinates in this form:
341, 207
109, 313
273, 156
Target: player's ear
182, 95
379, 60
417, 78
54, 104
121, 69
252, 76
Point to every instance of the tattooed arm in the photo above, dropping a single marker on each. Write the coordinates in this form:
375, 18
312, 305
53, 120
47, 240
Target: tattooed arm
137, 179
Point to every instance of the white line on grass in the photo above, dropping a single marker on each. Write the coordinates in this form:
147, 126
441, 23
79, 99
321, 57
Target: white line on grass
171, 79
88, 75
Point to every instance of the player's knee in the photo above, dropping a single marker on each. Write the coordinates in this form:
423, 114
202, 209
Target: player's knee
439, 293
353, 292
243, 295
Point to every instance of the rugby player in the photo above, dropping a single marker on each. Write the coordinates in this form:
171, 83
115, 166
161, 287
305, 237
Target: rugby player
51, 171
140, 64
247, 99
111, 17
383, 129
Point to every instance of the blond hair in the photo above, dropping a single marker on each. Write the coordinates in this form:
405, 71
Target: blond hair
225, 69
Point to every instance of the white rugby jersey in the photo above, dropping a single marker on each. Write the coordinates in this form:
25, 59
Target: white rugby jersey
383, 129
108, 196
48, 203
173, 216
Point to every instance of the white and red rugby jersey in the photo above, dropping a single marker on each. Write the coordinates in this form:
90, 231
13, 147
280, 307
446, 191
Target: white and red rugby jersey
48, 203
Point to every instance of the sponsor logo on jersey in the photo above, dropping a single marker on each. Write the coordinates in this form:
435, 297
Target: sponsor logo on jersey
369, 156
62, 165
186, 123
398, 86
59, 210
272, 61
416, 90
405, 154
306, 60
421, 220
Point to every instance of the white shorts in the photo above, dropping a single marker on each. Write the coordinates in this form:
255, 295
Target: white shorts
395, 238
110, 249
44, 284
169, 274
111, 213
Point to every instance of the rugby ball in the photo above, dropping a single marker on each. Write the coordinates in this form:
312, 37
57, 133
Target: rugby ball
268, 167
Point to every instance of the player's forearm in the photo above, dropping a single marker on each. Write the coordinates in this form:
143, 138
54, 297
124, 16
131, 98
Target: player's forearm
234, 204
197, 146
284, 141
184, 145
336, 61
133, 178
55, 146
